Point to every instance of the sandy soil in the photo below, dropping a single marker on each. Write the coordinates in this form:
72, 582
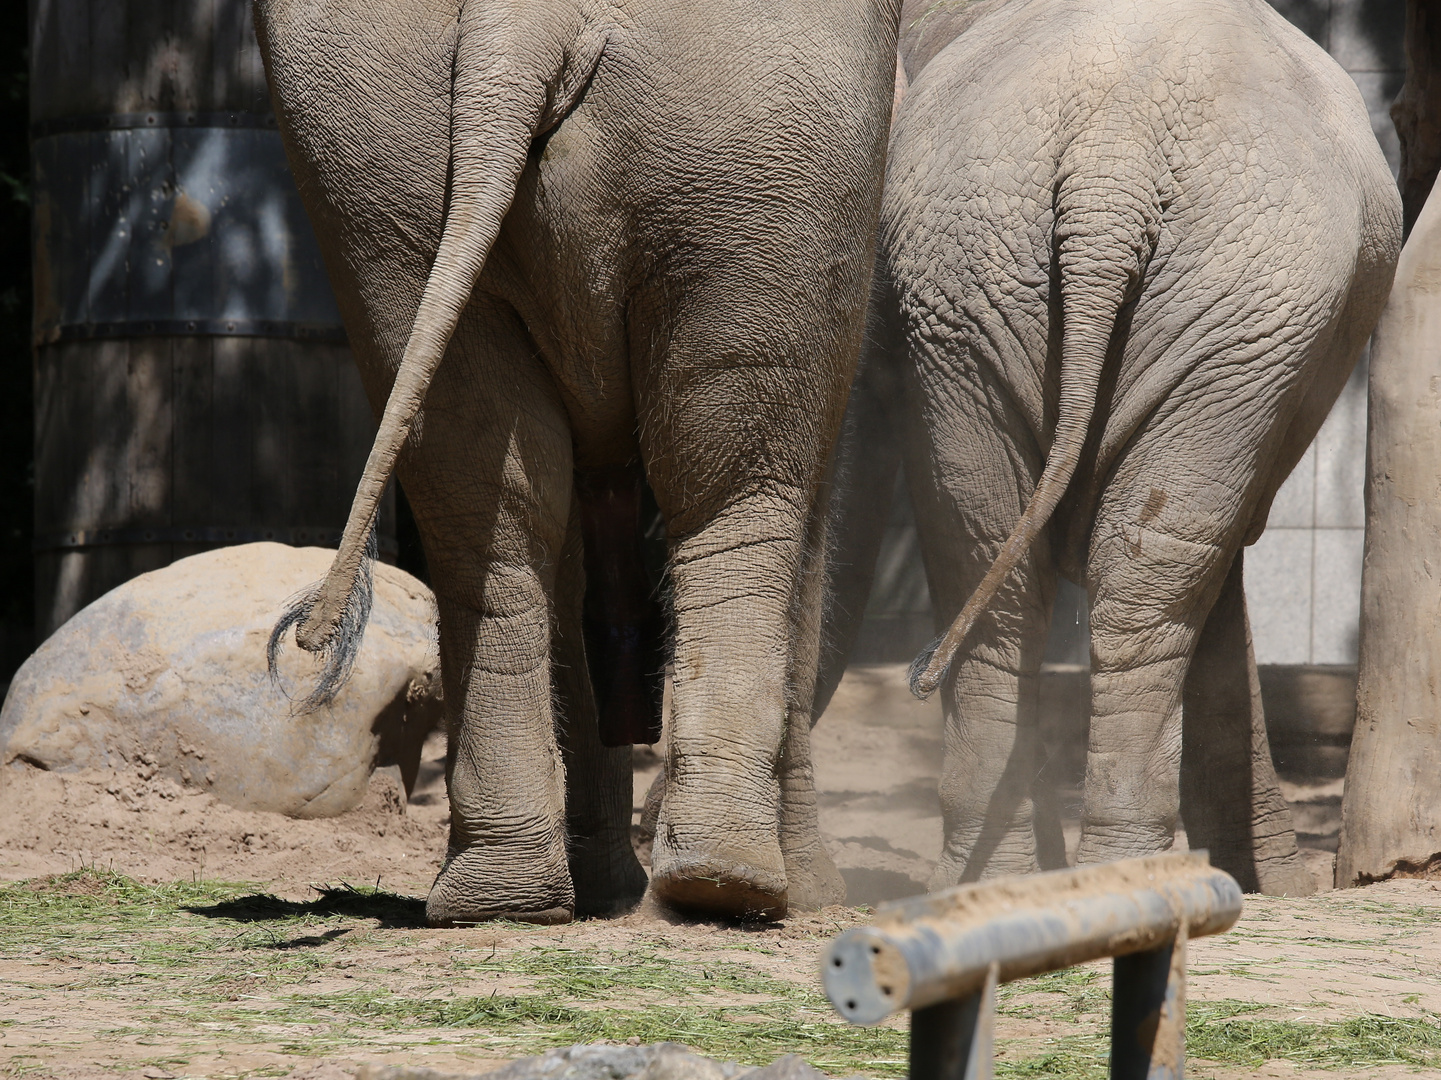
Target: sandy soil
1329, 957
877, 754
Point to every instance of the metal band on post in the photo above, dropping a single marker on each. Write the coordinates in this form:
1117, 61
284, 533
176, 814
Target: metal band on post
937, 954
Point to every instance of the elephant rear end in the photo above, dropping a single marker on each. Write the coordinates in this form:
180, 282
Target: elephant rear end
1130, 252
590, 238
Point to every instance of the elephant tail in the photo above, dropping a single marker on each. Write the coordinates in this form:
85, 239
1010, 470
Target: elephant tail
516, 75
1108, 219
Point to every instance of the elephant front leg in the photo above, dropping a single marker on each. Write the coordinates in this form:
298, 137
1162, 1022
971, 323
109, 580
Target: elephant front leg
624, 623
1230, 799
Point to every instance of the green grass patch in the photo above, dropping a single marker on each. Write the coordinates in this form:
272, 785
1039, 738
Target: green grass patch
754, 1033
208, 960
1219, 1031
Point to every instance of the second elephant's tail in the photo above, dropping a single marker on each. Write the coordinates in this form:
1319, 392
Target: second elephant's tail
1108, 214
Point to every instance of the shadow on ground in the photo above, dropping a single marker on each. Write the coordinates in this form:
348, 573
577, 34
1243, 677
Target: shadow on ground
393, 911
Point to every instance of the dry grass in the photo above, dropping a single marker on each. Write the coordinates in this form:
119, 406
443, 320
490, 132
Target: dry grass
353, 972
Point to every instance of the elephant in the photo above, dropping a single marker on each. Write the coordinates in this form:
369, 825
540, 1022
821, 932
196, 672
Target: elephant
1130, 252
578, 243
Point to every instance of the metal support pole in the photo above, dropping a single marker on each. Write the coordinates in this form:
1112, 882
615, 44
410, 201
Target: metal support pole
954, 1040
1148, 1013
941, 956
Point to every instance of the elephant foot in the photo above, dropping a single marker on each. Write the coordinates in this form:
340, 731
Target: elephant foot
1289, 878
952, 869
717, 848
608, 883
480, 885
718, 888
813, 880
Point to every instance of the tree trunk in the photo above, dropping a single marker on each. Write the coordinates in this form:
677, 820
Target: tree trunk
1391, 814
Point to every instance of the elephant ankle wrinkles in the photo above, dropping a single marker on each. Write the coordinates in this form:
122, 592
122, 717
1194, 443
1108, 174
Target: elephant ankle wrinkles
687, 557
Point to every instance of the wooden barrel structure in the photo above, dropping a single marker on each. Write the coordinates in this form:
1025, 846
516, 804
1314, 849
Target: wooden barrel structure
193, 387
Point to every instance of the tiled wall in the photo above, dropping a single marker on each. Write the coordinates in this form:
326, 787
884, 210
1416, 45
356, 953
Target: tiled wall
1303, 577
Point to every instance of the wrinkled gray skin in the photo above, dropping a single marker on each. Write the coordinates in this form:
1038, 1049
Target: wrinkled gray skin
1130, 251
583, 234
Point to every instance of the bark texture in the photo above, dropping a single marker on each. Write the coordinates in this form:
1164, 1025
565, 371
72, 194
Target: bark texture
1391, 815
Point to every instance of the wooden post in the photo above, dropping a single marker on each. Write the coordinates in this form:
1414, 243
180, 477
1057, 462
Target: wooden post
192, 383
1391, 812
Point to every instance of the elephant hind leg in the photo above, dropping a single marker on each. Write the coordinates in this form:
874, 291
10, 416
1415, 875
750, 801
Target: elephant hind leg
1230, 800
965, 506
599, 782
490, 483
812, 878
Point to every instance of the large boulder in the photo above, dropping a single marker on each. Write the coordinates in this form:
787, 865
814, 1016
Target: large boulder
167, 674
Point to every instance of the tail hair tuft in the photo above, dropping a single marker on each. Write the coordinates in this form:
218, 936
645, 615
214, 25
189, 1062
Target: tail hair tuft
918, 668
338, 654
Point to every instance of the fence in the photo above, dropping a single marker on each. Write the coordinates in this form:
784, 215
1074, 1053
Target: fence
943, 956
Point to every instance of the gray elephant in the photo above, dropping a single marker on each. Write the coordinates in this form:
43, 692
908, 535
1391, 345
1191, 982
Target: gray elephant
638, 234
1130, 251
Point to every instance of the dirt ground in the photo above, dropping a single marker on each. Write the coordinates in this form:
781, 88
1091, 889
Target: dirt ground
139, 959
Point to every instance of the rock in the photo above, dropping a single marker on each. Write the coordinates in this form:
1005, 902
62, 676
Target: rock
658, 1061
166, 676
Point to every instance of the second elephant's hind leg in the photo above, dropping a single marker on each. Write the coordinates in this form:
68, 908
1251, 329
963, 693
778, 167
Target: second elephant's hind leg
1150, 591
985, 467
1230, 800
